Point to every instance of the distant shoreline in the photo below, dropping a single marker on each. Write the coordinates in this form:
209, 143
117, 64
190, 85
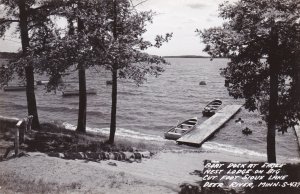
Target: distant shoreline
186, 56
13, 55
190, 56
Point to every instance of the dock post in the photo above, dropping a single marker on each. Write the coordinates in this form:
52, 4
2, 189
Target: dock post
16, 141
19, 136
28, 123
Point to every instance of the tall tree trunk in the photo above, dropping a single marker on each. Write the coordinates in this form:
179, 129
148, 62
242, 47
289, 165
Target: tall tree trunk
273, 108
274, 62
113, 105
81, 122
298, 80
29, 73
114, 92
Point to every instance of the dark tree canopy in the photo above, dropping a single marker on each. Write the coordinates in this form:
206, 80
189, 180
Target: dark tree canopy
247, 38
38, 27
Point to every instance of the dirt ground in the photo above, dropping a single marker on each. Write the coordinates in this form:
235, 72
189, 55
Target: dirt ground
163, 173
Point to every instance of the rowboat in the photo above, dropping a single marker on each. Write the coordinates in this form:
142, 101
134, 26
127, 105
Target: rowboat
42, 82
15, 88
211, 108
66, 93
176, 132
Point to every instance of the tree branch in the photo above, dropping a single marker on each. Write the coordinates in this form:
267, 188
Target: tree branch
7, 21
134, 6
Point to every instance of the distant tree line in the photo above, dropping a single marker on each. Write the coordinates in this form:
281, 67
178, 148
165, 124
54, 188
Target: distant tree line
8, 55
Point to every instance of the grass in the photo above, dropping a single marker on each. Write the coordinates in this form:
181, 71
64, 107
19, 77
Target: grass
6, 126
12, 183
6, 137
56, 138
60, 142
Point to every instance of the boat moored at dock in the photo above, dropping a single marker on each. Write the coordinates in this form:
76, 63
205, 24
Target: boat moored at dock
176, 132
211, 108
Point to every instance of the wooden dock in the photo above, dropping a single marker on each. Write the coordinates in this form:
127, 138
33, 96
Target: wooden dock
203, 131
67, 93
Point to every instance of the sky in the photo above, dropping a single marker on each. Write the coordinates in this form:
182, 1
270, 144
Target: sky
181, 17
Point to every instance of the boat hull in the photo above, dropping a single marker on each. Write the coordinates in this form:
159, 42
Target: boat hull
211, 108
208, 113
179, 130
172, 136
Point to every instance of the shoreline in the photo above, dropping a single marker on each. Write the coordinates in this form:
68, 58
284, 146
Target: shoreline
169, 145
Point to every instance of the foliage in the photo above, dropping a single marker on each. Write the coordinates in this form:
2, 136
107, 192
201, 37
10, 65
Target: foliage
54, 51
39, 25
117, 38
33, 21
247, 38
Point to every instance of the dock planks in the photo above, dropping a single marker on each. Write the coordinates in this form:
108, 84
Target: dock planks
203, 131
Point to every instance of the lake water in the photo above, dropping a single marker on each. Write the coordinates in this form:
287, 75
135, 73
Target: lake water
147, 111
